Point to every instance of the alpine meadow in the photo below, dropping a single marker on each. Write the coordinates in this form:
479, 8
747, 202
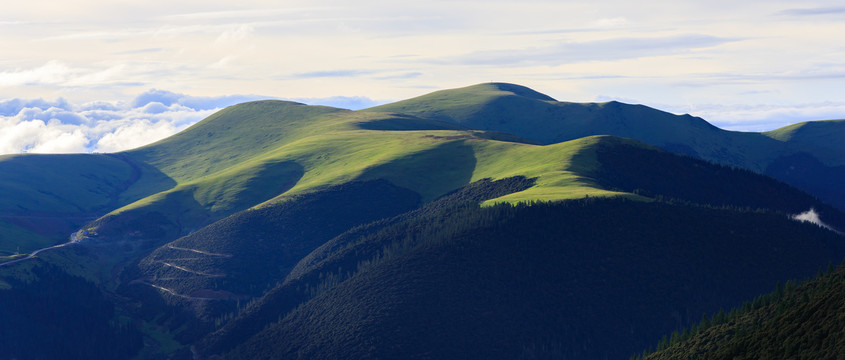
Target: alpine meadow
485, 222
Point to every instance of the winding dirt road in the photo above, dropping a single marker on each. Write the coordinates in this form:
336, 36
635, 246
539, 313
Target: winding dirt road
73, 240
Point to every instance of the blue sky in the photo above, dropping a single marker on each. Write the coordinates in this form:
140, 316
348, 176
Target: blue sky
78, 76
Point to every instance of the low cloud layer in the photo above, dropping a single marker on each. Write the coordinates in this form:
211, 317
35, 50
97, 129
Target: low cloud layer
760, 117
43, 126
59, 126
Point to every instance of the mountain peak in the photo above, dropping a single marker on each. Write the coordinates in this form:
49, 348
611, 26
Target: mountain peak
517, 90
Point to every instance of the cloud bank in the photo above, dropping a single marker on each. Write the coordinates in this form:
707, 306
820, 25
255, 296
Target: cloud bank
59, 126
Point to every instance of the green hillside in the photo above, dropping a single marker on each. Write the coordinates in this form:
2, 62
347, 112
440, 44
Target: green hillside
428, 162
522, 112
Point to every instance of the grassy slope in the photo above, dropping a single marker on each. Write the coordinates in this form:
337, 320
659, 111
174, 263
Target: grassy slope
523, 112
325, 147
809, 156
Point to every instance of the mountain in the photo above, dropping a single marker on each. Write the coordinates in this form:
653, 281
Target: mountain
489, 220
807, 155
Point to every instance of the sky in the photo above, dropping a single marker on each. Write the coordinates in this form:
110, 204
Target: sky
103, 76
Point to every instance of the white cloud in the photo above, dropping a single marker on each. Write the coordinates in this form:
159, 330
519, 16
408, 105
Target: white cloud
137, 133
53, 72
610, 22
812, 217
235, 34
43, 126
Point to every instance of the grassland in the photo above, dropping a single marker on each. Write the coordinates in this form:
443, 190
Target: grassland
430, 163
267, 151
223, 165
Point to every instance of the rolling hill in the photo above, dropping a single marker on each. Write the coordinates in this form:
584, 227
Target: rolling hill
813, 147
485, 222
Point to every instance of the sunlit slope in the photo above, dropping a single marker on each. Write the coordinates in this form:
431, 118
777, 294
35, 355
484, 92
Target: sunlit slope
810, 155
430, 163
227, 138
523, 112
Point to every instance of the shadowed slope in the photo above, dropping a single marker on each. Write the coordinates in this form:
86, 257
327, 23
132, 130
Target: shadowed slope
803, 322
45, 197
585, 280
823, 139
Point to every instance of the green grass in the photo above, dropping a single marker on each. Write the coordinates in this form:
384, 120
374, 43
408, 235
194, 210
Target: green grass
430, 162
520, 111
233, 135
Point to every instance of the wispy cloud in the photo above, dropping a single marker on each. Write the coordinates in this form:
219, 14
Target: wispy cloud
243, 14
814, 11
139, 51
407, 75
599, 50
332, 74
52, 72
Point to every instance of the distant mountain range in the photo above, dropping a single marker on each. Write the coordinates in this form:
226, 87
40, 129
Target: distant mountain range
484, 222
